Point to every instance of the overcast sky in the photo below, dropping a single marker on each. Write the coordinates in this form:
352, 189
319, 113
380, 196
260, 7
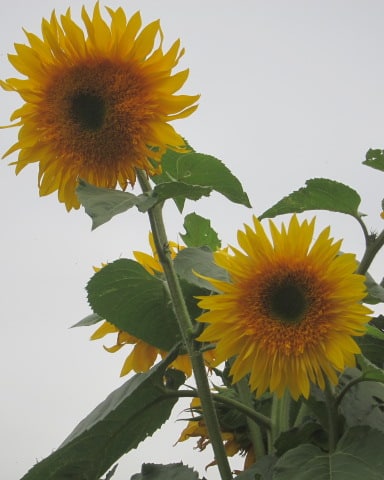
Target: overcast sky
289, 91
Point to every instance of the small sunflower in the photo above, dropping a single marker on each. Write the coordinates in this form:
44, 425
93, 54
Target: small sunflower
97, 102
290, 311
236, 441
143, 355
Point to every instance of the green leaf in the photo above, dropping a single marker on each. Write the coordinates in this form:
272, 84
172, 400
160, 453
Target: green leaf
363, 403
190, 261
204, 170
375, 291
261, 470
173, 471
357, 456
117, 425
89, 320
318, 194
375, 159
163, 191
101, 204
199, 233
370, 370
375, 333
304, 433
126, 295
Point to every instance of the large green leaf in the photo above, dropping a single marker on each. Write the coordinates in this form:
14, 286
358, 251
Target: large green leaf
173, 471
204, 170
318, 194
101, 204
199, 233
358, 456
190, 261
363, 404
117, 425
261, 470
375, 159
125, 294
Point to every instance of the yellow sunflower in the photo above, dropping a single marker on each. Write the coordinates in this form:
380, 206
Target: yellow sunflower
234, 442
144, 355
97, 102
290, 311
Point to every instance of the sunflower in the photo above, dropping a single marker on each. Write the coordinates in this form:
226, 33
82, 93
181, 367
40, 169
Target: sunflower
143, 355
236, 441
97, 102
289, 313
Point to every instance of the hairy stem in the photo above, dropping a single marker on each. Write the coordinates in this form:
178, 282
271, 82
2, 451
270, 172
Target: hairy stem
254, 429
186, 330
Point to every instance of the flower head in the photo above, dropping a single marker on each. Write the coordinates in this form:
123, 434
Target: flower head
143, 355
290, 311
97, 102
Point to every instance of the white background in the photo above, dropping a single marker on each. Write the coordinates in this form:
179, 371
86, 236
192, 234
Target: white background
289, 91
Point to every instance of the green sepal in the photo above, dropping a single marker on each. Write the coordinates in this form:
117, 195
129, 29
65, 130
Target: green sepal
129, 297
172, 471
117, 425
203, 170
102, 204
375, 159
199, 233
318, 194
190, 261
357, 456
89, 320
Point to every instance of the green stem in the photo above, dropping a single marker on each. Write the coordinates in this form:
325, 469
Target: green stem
333, 429
254, 429
186, 330
373, 246
280, 415
304, 410
257, 417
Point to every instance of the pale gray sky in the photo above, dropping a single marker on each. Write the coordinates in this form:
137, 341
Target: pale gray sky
289, 91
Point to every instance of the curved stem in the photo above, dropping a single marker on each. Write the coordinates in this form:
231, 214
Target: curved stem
364, 228
373, 246
257, 417
186, 330
254, 429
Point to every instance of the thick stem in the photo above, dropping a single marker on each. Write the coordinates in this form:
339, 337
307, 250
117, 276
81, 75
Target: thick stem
254, 429
186, 330
280, 415
333, 428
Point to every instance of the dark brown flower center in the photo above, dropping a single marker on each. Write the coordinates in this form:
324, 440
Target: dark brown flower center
88, 110
288, 302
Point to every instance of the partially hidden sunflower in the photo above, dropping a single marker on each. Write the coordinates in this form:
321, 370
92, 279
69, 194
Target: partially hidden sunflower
98, 102
289, 312
236, 441
143, 355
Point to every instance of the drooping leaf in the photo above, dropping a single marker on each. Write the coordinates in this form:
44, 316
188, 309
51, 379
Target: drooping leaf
173, 471
375, 159
357, 456
363, 403
117, 425
193, 260
126, 295
199, 233
307, 432
164, 191
89, 320
203, 170
102, 204
318, 194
